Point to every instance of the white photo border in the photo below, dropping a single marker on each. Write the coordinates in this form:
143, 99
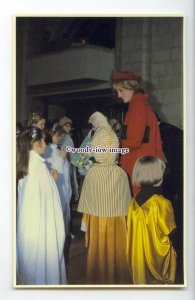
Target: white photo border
155, 7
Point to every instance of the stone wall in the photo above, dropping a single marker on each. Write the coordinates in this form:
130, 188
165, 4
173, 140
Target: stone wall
153, 47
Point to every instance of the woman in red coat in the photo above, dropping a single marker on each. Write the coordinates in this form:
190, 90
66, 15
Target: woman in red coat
141, 131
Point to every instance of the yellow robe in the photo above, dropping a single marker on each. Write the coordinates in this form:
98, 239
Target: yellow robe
150, 254
106, 241
104, 200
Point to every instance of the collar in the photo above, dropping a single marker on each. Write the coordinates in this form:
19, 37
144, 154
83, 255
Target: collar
54, 145
138, 96
36, 156
146, 193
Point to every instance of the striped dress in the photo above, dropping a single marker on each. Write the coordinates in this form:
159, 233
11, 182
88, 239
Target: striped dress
104, 200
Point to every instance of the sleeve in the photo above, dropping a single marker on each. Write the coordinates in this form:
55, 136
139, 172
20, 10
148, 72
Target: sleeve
166, 219
136, 124
53, 159
57, 161
48, 157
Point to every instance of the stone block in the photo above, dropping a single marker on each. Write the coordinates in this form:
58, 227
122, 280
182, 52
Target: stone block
158, 95
175, 24
134, 67
173, 113
168, 81
177, 40
124, 31
174, 67
146, 56
126, 57
132, 56
146, 43
128, 44
133, 43
135, 28
136, 56
156, 42
173, 96
155, 82
167, 40
159, 56
157, 69
160, 26
176, 54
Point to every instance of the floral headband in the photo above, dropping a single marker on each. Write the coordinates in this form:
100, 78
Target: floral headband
33, 132
36, 115
55, 127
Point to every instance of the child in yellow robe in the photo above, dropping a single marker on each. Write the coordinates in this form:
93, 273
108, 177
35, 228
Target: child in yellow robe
151, 226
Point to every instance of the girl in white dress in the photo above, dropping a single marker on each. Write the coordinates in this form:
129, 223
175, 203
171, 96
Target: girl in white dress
56, 160
40, 226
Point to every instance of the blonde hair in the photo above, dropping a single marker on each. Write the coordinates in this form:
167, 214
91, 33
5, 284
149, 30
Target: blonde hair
34, 118
126, 84
148, 170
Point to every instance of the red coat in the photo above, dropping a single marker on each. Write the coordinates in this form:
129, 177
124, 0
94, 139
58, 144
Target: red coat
138, 116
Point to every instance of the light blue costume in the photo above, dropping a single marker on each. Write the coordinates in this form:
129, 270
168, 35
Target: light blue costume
55, 161
65, 141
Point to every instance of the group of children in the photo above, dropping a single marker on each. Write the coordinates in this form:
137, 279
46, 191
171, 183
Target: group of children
43, 203
129, 240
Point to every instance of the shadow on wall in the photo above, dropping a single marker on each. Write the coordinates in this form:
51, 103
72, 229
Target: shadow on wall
153, 100
161, 105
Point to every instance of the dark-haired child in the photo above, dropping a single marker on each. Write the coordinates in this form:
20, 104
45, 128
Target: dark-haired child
56, 160
40, 226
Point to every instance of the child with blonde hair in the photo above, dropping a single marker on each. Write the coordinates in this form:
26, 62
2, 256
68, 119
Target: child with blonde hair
151, 227
36, 119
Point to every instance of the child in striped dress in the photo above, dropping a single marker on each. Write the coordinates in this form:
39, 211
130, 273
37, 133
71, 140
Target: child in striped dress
104, 201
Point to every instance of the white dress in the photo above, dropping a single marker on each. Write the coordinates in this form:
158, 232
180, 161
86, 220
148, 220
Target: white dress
40, 228
55, 161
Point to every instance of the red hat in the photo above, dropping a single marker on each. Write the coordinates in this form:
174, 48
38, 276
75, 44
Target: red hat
126, 75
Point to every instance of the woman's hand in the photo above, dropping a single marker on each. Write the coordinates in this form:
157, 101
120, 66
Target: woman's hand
54, 174
113, 122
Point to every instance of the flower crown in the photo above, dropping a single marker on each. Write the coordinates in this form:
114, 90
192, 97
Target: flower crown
33, 132
36, 115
